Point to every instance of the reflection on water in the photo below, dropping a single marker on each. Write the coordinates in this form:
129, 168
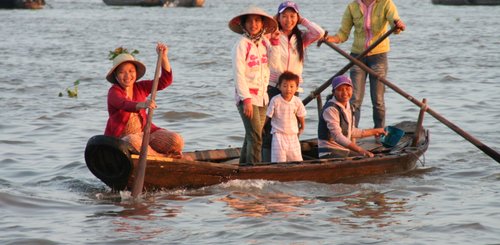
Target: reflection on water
368, 208
132, 221
139, 231
150, 209
258, 205
140, 219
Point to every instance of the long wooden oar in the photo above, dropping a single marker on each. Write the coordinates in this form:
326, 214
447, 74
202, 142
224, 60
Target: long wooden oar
490, 152
141, 169
326, 84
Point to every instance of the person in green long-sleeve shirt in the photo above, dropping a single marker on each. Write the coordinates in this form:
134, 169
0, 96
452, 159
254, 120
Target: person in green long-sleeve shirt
370, 19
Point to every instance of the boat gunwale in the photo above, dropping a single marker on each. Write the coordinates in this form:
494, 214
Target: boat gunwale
348, 160
167, 172
347, 171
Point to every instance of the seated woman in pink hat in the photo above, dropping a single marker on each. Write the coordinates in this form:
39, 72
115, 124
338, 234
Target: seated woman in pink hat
127, 104
337, 133
250, 57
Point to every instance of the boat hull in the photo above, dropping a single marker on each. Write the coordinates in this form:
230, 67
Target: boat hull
133, 2
115, 165
184, 3
22, 4
176, 3
179, 174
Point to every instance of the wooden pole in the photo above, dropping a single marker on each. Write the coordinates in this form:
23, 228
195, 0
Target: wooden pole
487, 150
420, 122
141, 169
319, 104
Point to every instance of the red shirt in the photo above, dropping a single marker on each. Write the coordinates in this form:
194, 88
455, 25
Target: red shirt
119, 107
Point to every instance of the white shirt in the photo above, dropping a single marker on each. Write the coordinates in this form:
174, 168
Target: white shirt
284, 114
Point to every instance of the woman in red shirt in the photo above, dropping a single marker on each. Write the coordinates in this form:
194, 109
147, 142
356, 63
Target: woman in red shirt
127, 104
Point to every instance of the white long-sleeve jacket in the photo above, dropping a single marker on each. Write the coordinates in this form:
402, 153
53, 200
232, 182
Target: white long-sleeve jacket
251, 70
286, 51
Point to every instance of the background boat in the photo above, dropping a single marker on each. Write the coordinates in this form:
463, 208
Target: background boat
183, 3
23, 4
466, 2
133, 2
167, 3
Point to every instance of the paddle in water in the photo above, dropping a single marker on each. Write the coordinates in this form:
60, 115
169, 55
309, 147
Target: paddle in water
141, 169
489, 151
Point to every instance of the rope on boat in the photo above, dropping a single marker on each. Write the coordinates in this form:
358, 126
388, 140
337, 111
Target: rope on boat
422, 162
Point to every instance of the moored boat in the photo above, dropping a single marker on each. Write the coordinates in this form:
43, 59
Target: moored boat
466, 2
183, 3
133, 2
22, 4
167, 3
113, 161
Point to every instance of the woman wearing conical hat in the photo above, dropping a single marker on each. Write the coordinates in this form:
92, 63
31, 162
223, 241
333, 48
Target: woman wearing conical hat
127, 103
250, 56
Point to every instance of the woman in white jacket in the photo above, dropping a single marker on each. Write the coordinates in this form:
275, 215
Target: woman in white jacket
289, 52
250, 57
292, 42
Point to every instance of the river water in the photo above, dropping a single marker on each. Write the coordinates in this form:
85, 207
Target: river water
449, 55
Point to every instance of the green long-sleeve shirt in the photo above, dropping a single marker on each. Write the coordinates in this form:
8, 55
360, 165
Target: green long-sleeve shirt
370, 23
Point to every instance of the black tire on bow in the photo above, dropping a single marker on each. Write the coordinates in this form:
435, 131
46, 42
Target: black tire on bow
108, 158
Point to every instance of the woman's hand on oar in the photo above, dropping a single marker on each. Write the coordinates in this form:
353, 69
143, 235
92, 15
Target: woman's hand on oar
148, 104
162, 51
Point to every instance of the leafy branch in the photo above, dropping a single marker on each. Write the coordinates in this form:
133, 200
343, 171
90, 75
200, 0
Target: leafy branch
72, 91
121, 50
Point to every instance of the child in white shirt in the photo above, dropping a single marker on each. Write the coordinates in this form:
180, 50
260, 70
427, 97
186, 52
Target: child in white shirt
287, 114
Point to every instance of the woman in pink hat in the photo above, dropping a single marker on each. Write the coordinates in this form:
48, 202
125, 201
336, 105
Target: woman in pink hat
127, 104
336, 129
250, 57
289, 52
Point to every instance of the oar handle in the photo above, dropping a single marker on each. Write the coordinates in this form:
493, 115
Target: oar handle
141, 169
322, 39
490, 152
326, 84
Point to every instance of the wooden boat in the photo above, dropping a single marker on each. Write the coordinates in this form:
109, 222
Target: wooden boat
166, 3
113, 161
466, 2
133, 2
22, 4
183, 3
